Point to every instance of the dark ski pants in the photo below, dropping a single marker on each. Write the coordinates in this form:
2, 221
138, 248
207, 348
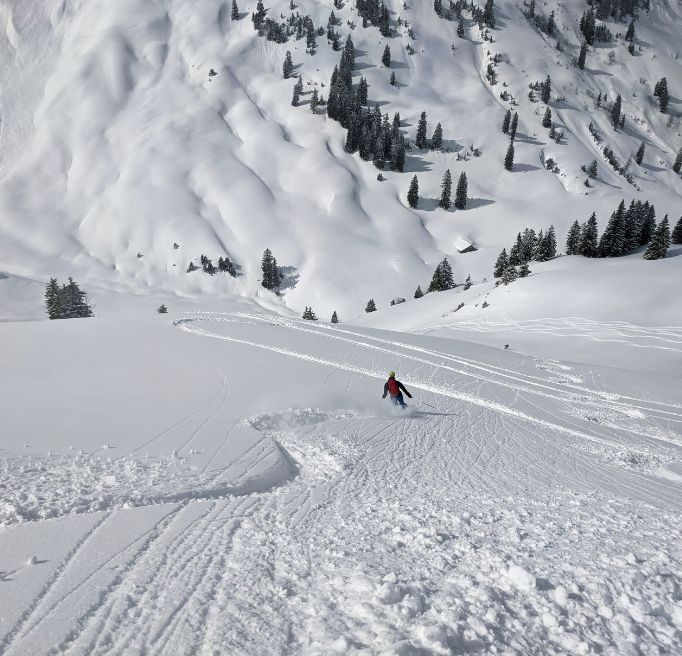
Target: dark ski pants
398, 400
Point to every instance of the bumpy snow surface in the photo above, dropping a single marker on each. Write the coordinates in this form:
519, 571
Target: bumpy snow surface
232, 483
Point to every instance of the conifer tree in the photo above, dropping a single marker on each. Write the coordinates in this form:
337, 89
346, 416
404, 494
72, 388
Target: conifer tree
386, 57
546, 90
438, 7
612, 241
287, 66
446, 191
582, 56
460, 27
506, 121
420, 140
162, 309
53, 300
593, 169
309, 315
314, 100
524, 270
678, 162
467, 282
547, 118
589, 244
639, 157
660, 242
298, 90
393, 80
461, 192
443, 278
615, 111
509, 157
418, 293
271, 277
397, 155
648, 224
663, 95
573, 239
437, 139
676, 237
362, 91
335, 317
371, 306
501, 263
630, 34
514, 126
259, 16
73, 302
489, 14
413, 193
509, 275
235, 11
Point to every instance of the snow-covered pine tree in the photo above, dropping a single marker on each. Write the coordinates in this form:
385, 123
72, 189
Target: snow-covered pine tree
589, 238
582, 56
446, 191
271, 278
420, 140
335, 317
386, 56
162, 309
612, 242
461, 192
74, 302
546, 93
630, 34
501, 263
53, 304
397, 159
288, 65
362, 91
314, 100
509, 157
663, 95
524, 270
506, 121
660, 242
438, 7
258, 17
615, 111
677, 166
413, 193
648, 223
573, 239
460, 27
437, 139
418, 293
393, 81
676, 237
489, 14
309, 315
371, 306
235, 11
509, 275
467, 282
639, 157
593, 169
514, 126
443, 278
547, 118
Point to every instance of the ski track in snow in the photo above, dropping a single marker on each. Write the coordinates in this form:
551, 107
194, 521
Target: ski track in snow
465, 526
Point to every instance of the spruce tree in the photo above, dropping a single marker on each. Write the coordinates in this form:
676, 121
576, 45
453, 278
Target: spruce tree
446, 191
335, 317
397, 155
582, 56
589, 238
420, 140
648, 224
270, 271
663, 95
546, 90
437, 139
501, 263
392, 80
612, 241
461, 192
509, 275
509, 157
676, 237
73, 302
443, 278
371, 306
309, 315
630, 34
506, 121
314, 100
547, 118
438, 7
615, 111
413, 193
514, 126
639, 157
460, 27
287, 66
162, 309
678, 162
593, 169
298, 90
53, 299
660, 242
467, 282
418, 293
386, 57
573, 239
235, 11
524, 270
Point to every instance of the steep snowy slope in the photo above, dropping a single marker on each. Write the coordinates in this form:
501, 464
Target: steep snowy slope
116, 142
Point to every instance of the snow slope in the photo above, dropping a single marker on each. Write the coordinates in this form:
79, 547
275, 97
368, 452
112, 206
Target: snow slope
115, 141
231, 482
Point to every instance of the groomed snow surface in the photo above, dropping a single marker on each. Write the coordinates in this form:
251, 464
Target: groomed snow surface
230, 482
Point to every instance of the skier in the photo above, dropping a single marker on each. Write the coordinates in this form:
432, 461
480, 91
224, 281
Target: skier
392, 387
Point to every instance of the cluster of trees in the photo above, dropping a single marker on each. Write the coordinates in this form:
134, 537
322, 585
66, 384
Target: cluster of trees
67, 301
272, 276
626, 230
663, 95
225, 265
445, 201
376, 13
545, 24
610, 157
528, 246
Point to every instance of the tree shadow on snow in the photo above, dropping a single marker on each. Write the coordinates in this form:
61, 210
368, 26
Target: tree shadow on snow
525, 168
415, 164
475, 203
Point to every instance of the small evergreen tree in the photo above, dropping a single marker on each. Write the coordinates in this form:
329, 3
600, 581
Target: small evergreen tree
335, 317
53, 304
663, 95
298, 90
509, 275
446, 191
386, 57
678, 162
593, 169
676, 237
437, 139
460, 27
514, 126
612, 241
235, 10
418, 293
420, 140
501, 263
443, 278
413, 193
287, 66
461, 192
73, 302
162, 309
582, 56
314, 100
615, 111
371, 306
573, 239
392, 80
271, 276
506, 121
546, 90
524, 270
589, 238
630, 34
639, 157
660, 242
509, 157
309, 315
547, 118
467, 283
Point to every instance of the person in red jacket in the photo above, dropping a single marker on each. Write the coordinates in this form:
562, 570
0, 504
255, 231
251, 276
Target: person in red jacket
393, 388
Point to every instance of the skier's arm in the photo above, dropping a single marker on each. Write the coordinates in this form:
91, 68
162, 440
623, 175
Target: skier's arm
385, 390
402, 387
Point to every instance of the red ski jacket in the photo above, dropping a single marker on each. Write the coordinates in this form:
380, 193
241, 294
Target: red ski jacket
393, 387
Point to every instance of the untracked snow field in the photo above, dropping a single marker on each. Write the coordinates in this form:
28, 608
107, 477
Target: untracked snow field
231, 482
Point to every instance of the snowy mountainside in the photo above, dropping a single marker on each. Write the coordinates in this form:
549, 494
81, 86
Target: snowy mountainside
116, 142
